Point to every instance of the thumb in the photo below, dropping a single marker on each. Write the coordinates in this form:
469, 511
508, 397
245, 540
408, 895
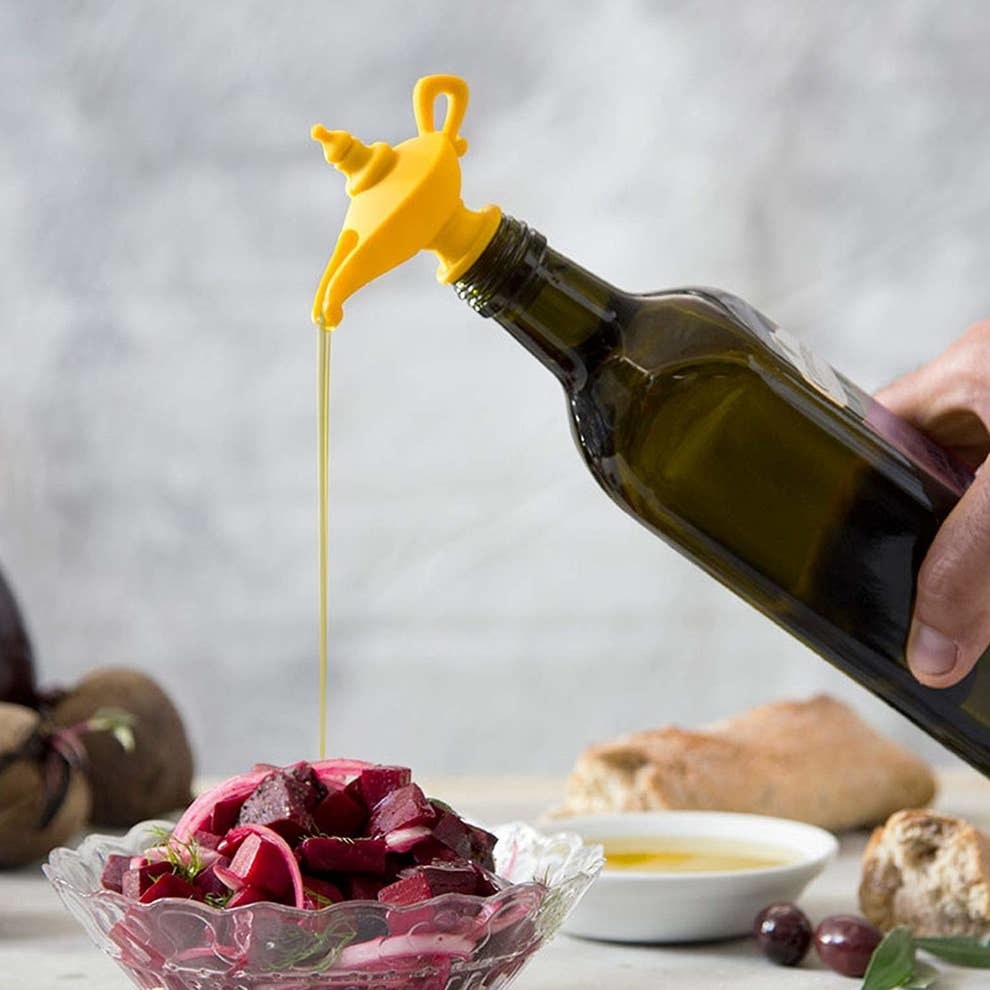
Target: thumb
951, 625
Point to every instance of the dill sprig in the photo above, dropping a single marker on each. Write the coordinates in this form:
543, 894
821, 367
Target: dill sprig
185, 857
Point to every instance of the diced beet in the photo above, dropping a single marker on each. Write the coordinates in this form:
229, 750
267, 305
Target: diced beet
422, 882
340, 813
113, 871
293, 830
401, 808
169, 885
320, 893
207, 881
231, 842
395, 863
361, 887
247, 895
224, 815
482, 847
305, 774
284, 801
447, 878
237, 837
432, 850
488, 883
468, 841
452, 832
135, 881
260, 864
410, 890
328, 855
373, 783
228, 878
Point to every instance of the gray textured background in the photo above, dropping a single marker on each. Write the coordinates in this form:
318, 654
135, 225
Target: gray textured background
164, 219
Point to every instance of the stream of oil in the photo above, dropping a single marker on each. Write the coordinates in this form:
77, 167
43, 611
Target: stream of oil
323, 469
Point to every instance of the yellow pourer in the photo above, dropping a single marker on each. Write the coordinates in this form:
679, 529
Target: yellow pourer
403, 200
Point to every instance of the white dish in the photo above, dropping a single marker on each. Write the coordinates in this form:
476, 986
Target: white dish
628, 906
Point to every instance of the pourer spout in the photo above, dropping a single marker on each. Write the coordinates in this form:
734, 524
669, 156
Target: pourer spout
403, 200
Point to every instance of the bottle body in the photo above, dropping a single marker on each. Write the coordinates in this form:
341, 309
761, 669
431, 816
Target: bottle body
782, 488
778, 477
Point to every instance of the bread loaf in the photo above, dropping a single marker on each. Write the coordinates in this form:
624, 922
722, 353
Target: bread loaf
814, 761
928, 871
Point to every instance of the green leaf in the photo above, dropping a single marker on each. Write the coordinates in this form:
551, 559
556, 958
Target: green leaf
961, 949
892, 963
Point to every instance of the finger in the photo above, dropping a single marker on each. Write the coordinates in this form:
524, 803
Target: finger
951, 624
949, 398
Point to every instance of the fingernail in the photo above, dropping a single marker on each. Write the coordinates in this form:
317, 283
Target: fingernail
929, 652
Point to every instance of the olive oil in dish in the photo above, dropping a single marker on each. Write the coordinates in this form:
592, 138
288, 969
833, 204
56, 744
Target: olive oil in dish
695, 854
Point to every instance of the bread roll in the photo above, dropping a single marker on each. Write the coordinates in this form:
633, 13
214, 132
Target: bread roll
814, 761
928, 871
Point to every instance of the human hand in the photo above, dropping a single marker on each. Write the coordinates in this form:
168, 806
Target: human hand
949, 399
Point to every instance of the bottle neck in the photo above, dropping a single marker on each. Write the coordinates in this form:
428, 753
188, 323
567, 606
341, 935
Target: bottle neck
558, 311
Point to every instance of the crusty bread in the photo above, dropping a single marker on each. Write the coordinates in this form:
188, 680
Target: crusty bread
928, 871
815, 761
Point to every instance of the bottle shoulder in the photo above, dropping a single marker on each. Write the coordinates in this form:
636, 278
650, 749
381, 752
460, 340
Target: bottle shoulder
681, 339
658, 331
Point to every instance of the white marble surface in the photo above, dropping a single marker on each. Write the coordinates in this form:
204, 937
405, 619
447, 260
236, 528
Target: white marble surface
42, 947
164, 218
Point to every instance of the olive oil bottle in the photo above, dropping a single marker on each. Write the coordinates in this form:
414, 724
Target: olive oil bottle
718, 432
724, 437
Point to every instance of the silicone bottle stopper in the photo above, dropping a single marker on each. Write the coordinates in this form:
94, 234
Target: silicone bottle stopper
403, 200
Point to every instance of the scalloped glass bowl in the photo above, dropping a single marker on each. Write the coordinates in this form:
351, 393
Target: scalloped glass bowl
451, 942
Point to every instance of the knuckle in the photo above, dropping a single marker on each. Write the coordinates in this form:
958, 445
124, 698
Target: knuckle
978, 332
937, 584
975, 347
953, 586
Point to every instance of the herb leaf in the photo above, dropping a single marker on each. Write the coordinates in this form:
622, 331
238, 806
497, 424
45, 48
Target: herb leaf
185, 857
961, 949
892, 963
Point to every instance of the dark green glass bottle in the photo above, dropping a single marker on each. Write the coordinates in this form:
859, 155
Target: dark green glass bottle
732, 442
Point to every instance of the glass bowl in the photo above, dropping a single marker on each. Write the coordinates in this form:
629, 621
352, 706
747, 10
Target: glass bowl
450, 942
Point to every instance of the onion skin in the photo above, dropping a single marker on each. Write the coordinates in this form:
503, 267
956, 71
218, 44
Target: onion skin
17, 684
